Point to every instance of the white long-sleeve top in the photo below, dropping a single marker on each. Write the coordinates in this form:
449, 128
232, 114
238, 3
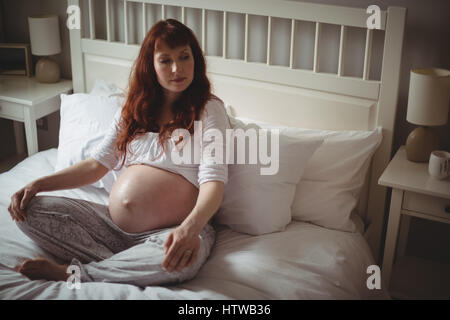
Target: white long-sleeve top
145, 148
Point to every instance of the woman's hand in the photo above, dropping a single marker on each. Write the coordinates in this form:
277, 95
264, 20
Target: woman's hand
20, 199
181, 249
183, 243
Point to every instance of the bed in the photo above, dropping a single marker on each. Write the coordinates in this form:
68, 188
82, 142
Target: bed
309, 257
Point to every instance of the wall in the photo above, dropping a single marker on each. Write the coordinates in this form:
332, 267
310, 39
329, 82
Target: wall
15, 23
426, 44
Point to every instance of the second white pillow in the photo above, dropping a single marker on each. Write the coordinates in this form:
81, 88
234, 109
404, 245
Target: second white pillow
329, 190
257, 204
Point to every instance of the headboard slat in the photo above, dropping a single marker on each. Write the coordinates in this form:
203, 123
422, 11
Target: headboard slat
183, 15
224, 39
91, 20
342, 39
269, 40
316, 47
204, 30
246, 39
144, 19
125, 20
108, 20
367, 54
292, 46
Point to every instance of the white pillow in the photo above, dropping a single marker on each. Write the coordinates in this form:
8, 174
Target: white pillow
329, 190
85, 118
258, 204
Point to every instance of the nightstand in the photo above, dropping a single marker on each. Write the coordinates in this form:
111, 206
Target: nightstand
414, 194
26, 100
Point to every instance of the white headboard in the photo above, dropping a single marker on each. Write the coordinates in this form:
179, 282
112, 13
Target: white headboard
262, 88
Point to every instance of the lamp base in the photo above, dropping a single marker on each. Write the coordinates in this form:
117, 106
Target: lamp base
47, 71
420, 143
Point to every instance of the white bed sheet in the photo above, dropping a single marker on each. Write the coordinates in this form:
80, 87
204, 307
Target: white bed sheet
303, 262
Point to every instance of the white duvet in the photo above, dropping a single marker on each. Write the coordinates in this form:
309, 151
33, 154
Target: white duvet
303, 262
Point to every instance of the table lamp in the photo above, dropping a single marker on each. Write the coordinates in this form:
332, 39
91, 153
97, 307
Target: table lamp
428, 99
45, 41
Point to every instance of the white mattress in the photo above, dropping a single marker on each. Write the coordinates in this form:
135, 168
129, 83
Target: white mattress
303, 262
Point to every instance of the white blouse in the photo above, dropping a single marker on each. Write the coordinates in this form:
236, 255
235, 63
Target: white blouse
145, 148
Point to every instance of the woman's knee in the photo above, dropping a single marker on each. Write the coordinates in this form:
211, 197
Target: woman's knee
35, 206
47, 204
30, 210
29, 225
39, 208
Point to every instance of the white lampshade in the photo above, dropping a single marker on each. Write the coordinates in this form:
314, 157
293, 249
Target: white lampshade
429, 93
44, 35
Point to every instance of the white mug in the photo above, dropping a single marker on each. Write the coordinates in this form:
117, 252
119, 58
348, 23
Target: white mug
438, 167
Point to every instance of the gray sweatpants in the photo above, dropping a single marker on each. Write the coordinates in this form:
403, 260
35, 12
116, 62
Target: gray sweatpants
82, 233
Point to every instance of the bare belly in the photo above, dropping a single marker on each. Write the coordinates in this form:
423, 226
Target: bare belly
145, 198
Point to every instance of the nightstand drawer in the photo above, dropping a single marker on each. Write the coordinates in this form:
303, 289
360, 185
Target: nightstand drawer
11, 110
426, 204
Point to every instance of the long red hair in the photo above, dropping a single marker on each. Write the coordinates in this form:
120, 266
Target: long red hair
143, 105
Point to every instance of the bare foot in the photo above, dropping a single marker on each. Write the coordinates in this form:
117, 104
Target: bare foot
42, 268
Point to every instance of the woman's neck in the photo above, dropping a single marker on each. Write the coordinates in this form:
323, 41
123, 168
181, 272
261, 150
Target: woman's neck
166, 114
170, 98
166, 110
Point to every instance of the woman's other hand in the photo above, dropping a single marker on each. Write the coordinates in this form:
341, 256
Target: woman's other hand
20, 199
181, 249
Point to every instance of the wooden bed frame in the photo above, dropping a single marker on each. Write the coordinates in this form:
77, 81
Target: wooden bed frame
283, 94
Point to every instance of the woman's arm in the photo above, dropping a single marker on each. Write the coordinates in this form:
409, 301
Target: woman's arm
183, 243
209, 199
185, 237
77, 175
82, 173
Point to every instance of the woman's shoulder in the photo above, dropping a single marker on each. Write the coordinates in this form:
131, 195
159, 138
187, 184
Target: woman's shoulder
215, 114
214, 107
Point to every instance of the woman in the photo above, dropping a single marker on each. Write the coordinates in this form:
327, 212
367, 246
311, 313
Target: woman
156, 228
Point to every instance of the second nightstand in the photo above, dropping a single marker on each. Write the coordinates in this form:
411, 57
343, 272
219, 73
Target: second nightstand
414, 193
26, 100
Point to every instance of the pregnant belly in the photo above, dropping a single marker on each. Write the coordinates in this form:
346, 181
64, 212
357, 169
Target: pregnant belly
145, 198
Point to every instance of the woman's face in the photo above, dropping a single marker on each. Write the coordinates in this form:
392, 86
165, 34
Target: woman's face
174, 68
